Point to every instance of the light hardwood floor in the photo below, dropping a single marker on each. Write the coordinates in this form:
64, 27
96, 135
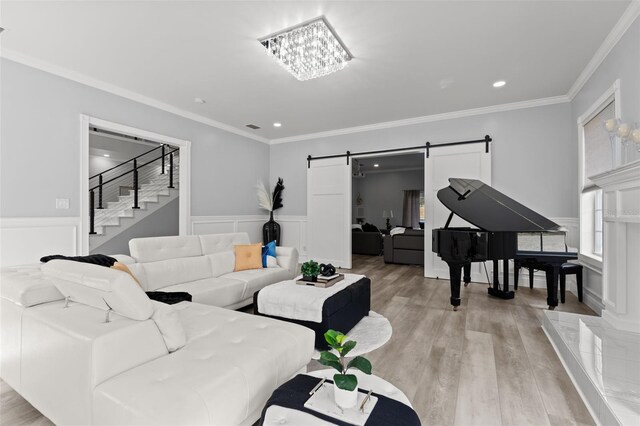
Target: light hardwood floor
488, 363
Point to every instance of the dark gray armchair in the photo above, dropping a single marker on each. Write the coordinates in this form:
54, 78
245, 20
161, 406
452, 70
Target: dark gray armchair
406, 248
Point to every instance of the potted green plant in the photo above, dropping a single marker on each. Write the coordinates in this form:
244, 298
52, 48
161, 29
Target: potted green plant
345, 386
310, 271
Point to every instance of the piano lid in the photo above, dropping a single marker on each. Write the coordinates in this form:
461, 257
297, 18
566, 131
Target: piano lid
490, 210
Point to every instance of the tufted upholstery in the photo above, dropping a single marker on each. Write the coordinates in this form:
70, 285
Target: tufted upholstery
229, 367
205, 270
26, 286
154, 249
100, 287
67, 352
157, 275
216, 243
121, 372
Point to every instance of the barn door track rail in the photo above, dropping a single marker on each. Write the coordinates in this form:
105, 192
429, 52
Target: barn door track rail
427, 147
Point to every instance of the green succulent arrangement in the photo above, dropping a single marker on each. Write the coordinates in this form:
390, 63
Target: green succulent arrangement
310, 269
342, 346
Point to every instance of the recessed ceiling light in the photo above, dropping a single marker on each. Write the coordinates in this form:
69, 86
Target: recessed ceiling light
106, 155
199, 101
376, 165
277, 124
499, 83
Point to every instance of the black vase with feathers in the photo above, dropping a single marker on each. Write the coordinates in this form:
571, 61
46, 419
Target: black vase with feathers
271, 230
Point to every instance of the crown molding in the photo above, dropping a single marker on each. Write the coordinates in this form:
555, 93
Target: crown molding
428, 118
119, 91
628, 17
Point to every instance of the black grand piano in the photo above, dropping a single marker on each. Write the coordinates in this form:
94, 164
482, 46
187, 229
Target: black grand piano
506, 230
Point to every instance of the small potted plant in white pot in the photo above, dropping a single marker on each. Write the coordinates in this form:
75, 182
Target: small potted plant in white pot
345, 386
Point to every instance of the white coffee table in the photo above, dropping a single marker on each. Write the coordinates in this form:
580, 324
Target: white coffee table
277, 415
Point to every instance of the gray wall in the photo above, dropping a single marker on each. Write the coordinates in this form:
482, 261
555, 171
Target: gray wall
622, 62
384, 191
40, 151
162, 222
534, 158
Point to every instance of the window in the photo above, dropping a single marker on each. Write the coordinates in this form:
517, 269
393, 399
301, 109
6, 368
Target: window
596, 156
597, 223
422, 214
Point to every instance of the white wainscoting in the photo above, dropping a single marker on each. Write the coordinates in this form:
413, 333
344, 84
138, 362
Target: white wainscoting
294, 233
26, 239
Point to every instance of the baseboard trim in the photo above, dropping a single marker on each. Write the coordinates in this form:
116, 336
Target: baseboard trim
592, 300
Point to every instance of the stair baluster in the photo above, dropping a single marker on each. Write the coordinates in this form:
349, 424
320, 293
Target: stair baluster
163, 154
100, 192
170, 170
135, 184
92, 213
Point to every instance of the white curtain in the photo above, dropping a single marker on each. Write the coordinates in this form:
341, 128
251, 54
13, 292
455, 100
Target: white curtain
411, 209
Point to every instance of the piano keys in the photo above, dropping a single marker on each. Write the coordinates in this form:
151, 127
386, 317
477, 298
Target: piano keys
505, 230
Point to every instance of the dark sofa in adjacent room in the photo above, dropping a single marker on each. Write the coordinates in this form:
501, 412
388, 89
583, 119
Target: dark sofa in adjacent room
366, 242
406, 248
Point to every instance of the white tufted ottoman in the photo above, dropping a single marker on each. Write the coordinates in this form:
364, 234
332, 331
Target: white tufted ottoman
276, 415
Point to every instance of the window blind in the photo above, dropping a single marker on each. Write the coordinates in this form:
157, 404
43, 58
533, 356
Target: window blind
598, 156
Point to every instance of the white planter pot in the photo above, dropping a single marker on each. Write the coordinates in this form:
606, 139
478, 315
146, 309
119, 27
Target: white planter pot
345, 398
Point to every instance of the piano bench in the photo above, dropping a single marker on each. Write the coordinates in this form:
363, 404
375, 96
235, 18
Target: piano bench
570, 269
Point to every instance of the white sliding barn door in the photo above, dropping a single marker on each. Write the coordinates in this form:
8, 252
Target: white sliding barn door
329, 212
458, 161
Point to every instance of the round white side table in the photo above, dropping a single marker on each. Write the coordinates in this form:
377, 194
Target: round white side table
277, 415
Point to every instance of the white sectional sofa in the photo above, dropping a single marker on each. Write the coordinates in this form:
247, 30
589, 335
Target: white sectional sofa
76, 368
202, 265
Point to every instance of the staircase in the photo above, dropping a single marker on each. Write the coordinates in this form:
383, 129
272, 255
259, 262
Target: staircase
111, 213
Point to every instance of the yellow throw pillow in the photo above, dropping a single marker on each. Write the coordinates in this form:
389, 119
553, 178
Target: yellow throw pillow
124, 268
248, 256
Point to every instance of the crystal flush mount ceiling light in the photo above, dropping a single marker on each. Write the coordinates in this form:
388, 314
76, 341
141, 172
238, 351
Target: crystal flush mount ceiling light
309, 50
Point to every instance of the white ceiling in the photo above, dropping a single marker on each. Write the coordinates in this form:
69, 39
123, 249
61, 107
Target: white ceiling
411, 58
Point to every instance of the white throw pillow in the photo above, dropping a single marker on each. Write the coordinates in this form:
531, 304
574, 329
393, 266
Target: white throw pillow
272, 262
397, 230
170, 326
356, 226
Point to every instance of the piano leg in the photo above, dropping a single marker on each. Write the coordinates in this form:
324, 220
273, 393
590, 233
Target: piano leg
496, 275
552, 272
505, 275
455, 269
496, 291
467, 274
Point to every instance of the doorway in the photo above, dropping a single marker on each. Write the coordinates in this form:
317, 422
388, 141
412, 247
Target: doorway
331, 209
388, 193
149, 149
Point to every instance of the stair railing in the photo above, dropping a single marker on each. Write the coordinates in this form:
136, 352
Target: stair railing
134, 171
